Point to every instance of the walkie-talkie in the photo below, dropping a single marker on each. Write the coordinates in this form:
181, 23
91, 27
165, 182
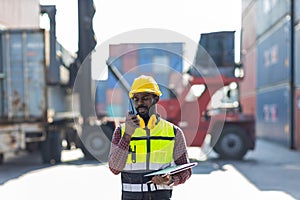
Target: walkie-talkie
132, 110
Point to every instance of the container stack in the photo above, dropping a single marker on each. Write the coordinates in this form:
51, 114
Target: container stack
273, 72
162, 61
297, 74
267, 49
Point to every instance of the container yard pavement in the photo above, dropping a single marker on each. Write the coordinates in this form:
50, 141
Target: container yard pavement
270, 172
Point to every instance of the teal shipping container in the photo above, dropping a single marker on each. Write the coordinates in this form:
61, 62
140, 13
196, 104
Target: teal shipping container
23, 79
25, 95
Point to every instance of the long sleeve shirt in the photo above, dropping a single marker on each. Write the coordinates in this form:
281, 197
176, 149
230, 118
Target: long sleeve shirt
119, 152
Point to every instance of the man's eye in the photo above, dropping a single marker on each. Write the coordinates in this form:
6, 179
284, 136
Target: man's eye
145, 98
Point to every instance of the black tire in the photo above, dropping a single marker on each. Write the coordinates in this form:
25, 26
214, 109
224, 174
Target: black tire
51, 148
1, 158
94, 142
233, 143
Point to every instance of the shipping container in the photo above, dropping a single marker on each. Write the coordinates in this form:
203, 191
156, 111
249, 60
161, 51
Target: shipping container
116, 110
273, 60
297, 118
23, 77
249, 27
25, 95
247, 87
162, 80
270, 12
20, 14
273, 113
119, 50
34, 115
297, 57
248, 103
145, 58
246, 4
160, 57
130, 61
297, 11
100, 109
111, 80
115, 50
130, 76
114, 96
176, 83
100, 93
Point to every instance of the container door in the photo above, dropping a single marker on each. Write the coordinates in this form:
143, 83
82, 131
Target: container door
23, 69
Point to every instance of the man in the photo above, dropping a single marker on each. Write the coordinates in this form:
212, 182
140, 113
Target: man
147, 143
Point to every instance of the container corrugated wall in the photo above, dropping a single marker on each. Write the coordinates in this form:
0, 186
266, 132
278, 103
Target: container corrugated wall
273, 71
273, 50
269, 12
247, 87
273, 68
246, 4
297, 11
100, 98
297, 57
22, 59
297, 75
249, 27
273, 116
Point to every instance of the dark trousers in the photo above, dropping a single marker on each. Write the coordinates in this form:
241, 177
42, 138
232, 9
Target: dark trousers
156, 195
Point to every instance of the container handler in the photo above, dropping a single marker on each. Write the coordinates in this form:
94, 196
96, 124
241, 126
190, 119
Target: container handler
231, 132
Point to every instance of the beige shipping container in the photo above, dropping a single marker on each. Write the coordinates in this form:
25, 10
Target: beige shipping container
249, 27
248, 85
19, 14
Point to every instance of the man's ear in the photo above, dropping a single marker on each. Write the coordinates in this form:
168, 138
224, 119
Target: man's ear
156, 99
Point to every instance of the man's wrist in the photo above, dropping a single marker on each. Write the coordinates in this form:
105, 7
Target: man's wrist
171, 181
127, 137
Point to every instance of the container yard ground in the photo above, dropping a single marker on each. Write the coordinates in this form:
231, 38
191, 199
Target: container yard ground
270, 172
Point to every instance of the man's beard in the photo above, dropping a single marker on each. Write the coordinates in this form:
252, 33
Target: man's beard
144, 115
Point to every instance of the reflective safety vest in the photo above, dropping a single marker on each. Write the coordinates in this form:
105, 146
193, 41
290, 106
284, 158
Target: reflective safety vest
149, 150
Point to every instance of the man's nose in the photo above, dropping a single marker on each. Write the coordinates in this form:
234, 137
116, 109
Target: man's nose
140, 102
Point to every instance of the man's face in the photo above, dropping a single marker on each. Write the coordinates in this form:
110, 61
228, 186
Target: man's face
143, 103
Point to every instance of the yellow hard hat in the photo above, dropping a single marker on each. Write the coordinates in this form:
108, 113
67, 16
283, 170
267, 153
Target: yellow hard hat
144, 84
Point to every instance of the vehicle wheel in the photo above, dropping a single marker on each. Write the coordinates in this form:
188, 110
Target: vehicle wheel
233, 143
94, 143
51, 148
1, 158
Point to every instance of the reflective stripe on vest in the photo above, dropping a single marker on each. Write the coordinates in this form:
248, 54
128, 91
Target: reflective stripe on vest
143, 187
151, 149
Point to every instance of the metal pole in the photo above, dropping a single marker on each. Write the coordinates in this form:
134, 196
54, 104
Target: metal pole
292, 79
53, 74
